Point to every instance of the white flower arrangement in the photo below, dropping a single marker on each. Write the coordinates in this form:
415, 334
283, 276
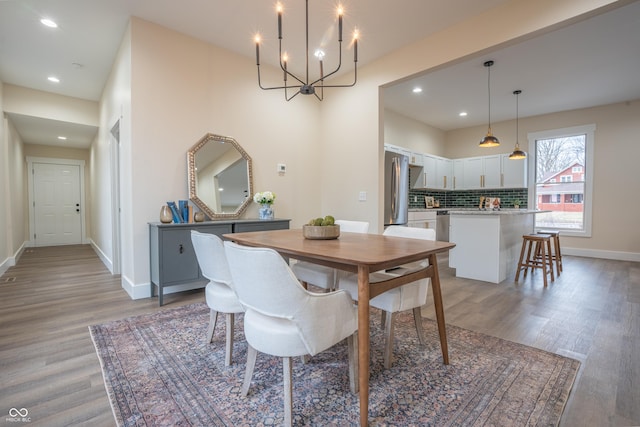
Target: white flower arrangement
264, 198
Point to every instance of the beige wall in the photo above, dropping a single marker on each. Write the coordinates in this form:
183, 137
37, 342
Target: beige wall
409, 133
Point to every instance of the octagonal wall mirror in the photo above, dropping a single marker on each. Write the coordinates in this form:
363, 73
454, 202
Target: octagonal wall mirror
220, 176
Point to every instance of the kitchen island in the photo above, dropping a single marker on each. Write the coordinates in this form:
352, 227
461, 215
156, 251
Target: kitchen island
488, 242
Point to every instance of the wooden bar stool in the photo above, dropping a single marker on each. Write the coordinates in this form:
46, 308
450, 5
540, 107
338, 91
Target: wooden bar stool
557, 254
538, 255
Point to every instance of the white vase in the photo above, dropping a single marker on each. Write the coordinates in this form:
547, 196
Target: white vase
265, 212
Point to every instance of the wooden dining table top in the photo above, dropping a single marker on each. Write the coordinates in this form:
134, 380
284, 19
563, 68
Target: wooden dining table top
347, 251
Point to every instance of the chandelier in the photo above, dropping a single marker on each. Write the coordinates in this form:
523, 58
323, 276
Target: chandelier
304, 85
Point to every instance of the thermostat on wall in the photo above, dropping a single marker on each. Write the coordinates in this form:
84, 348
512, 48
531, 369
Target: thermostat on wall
282, 168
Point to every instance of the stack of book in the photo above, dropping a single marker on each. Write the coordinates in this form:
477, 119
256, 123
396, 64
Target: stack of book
182, 212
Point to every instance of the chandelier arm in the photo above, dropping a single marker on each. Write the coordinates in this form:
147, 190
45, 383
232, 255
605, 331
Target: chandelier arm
289, 98
355, 79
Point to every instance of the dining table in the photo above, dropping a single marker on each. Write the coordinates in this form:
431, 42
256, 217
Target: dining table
362, 254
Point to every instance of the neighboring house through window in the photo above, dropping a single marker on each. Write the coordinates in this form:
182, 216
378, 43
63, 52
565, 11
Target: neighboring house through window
561, 166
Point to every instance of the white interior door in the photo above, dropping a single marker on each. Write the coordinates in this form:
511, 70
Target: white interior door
57, 204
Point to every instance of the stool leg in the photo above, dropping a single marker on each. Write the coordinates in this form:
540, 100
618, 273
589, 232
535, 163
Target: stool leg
524, 244
548, 242
544, 264
556, 242
529, 259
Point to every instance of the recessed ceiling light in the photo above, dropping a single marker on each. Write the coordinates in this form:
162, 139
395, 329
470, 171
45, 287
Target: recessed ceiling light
62, 138
463, 114
53, 79
417, 89
48, 23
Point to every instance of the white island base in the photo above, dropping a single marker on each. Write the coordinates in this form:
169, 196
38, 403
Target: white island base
488, 243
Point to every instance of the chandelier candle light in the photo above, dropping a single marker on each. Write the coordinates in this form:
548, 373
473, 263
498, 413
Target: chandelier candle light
305, 86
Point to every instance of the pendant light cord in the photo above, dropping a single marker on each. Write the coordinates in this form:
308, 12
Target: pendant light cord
489, 90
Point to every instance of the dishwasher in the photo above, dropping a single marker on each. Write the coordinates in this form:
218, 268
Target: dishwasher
442, 225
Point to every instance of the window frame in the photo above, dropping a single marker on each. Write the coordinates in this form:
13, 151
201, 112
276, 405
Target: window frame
589, 132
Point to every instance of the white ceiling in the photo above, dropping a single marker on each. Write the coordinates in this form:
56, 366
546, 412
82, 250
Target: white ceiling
80, 52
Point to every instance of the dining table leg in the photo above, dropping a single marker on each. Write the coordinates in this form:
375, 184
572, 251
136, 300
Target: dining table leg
437, 300
363, 342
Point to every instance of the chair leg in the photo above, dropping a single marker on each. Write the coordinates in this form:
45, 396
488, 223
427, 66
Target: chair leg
252, 353
417, 319
229, 344
288, 391
352, 345
388, 340
213, 318
383, 319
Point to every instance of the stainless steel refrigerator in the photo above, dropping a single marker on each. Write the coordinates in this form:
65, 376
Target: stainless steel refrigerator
396, 188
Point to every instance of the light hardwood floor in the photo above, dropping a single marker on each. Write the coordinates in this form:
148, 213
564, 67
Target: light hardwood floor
49, 366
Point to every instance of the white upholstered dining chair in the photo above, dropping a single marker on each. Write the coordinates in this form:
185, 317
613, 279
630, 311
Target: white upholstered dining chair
283, 319
410, 296
219, 293
319, 275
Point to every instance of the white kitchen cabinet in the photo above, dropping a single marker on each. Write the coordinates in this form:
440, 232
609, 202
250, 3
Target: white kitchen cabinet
422, 219
429, 171
481, 172
436, 173
473, 170
415, 159
492, 170
458, 175
514, 172
444, 173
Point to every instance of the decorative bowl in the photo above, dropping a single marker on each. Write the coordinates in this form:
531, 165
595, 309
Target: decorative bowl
321, 232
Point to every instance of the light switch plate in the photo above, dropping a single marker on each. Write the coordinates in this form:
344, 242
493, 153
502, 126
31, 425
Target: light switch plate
362, 196
282, 168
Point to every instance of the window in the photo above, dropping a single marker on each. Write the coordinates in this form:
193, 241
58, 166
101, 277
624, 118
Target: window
561, 166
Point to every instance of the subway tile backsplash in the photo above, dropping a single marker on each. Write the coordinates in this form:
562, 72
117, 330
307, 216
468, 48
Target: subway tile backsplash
468, 198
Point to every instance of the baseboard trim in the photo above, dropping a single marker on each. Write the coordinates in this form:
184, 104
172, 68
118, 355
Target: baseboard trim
12, 260
103, 257
143, 290
598, 253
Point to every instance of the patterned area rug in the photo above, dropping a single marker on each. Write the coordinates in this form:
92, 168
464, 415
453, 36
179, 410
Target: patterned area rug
159, 372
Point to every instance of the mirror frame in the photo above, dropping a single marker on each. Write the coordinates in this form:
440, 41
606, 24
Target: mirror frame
191, 169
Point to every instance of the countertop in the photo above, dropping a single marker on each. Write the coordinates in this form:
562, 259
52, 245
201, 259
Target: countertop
476, 211
492, 212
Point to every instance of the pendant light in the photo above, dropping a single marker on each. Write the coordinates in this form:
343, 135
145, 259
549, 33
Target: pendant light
489, 140
517, 154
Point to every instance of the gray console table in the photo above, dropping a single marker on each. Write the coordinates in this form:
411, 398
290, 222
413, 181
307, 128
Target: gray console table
172, 258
